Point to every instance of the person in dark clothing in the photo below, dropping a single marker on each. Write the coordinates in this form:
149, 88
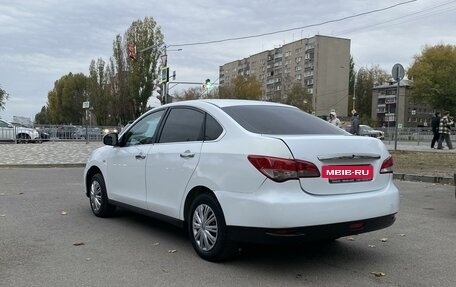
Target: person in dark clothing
435, 128
355, 124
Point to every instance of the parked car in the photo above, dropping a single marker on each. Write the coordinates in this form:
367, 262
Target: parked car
90, 133
44, 136
365, 130
244, 171
10, 132
65, 131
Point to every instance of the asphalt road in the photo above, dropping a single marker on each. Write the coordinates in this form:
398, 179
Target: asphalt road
49, 237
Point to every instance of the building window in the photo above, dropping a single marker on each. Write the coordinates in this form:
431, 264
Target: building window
298, 68
310, 91
298, 60
299, 50
298, 77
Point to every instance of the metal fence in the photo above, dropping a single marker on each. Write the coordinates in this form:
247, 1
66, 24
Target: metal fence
420, 135
74, 133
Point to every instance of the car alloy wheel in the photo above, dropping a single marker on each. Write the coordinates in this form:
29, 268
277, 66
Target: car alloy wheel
204, 227
98, 197
95, 196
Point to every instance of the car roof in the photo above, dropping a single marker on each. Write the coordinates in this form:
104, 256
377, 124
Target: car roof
221, 103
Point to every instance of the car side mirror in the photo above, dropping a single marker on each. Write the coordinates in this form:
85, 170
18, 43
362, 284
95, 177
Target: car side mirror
111, 139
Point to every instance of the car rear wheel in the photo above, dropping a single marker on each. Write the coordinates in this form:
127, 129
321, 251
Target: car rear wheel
207, 229
99, 198
23, 138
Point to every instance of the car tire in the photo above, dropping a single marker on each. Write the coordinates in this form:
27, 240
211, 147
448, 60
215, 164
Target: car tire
23, 138
98, 197
207, 229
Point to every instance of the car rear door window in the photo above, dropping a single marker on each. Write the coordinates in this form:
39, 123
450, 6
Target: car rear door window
183, 125
279, 120
213, 129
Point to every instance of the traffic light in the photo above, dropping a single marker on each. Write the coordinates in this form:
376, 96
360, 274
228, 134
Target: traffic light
207, 85
164, 75
132, 51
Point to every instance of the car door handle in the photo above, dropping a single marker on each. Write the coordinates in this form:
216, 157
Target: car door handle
140, 156
187, 154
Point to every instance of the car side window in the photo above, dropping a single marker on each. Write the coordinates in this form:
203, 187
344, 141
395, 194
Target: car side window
143, 132
183, 125
213, 129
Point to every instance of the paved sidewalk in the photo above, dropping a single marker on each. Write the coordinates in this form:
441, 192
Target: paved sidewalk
47, 153
60, 154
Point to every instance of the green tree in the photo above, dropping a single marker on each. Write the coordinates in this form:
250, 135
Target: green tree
65, 100
366, 79
144, 70
98, 91
3, 97
433, 75
41, 117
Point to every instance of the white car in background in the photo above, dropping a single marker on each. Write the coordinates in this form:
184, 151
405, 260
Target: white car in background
10, 132
244, 171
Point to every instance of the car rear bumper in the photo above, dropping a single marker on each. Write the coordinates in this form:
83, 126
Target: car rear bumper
308, 233
285, 205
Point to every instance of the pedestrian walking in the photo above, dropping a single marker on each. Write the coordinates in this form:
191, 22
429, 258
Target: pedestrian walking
354, 129
333, 119
435, 128
446, 122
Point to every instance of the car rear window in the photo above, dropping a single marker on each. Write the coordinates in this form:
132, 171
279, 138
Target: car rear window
278, 120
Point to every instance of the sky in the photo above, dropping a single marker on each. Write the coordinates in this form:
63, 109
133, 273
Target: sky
41, 41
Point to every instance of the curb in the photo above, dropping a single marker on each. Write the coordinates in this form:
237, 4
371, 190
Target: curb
42, 165
422, 178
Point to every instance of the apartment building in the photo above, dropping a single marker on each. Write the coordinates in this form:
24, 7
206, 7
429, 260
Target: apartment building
321, 64
411, 113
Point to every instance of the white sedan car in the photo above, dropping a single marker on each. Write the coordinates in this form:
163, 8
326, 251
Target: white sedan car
244, 171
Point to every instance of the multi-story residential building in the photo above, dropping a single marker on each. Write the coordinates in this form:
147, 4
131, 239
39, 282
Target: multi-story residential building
321, 64
411, 113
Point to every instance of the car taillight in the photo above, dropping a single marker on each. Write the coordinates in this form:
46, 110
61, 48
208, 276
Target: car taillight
281, 169
387, 166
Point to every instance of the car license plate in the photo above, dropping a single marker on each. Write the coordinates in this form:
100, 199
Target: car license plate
347, 173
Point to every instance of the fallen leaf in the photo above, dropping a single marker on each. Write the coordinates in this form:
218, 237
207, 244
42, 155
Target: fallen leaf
402, 235
78, 243
21, 193
384, 239
155, 244
63, 212
88, 259
2, 194
378, 274
351, 238
298, 276
172, 251
2, 215
371, 246
165, 270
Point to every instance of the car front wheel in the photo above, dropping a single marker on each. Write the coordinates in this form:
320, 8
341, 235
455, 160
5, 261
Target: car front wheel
207, 229
99, 198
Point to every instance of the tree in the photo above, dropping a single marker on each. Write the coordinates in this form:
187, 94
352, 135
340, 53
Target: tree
3, 97
98, 91
143, 71
433, 75
366, 79
41, 118
295, 94
65, 100
242, 87
351, 85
